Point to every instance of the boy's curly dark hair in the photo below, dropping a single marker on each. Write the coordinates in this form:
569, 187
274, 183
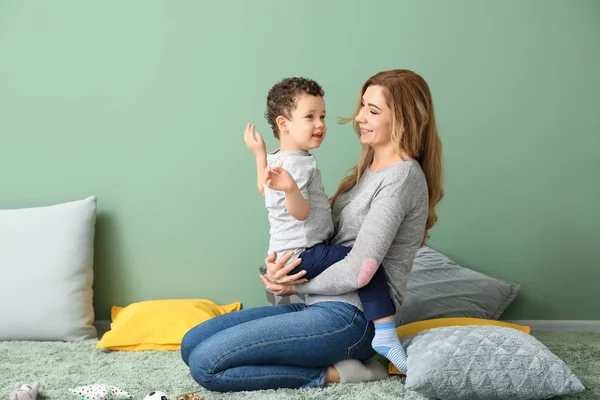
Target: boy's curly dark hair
281, 99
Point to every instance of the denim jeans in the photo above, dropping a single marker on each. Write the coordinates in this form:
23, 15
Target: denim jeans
285, 346
375, 296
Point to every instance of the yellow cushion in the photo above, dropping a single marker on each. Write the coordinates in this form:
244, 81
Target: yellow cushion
415, 327
158, 324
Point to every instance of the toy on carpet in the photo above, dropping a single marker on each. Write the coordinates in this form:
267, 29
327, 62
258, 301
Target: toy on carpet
156, 396
187, 396
183, 396
26, 392
101, 392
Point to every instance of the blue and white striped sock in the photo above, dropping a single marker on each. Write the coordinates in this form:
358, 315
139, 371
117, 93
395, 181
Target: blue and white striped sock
387, 344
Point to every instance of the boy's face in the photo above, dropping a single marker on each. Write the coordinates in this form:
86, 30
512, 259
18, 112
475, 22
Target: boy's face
306, 128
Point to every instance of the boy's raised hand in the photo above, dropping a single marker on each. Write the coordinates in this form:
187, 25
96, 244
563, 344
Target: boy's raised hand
255, 143
279, 179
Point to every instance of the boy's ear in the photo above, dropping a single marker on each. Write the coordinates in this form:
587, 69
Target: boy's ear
282, 123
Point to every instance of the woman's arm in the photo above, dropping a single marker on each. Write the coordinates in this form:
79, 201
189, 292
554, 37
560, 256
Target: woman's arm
373, 241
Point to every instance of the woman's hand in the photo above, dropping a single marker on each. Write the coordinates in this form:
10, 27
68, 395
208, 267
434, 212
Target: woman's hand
277, 271
277, 288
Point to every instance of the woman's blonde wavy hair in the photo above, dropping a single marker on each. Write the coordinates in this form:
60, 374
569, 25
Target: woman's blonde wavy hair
414, 133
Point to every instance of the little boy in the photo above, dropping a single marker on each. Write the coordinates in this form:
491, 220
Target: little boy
298, 208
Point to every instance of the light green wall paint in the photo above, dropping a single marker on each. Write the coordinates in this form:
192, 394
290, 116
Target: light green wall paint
143, 103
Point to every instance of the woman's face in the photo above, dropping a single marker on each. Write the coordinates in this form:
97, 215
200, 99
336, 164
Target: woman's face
375, 118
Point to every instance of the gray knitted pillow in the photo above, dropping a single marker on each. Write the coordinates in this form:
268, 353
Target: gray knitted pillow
440, 288
485, 362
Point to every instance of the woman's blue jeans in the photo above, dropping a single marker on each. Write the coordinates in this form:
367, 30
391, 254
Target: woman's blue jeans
284, 346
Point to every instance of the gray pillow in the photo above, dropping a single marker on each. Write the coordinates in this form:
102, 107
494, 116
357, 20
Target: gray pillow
439, 288
46, 267
485, 362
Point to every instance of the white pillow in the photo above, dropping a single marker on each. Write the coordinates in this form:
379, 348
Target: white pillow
46, 270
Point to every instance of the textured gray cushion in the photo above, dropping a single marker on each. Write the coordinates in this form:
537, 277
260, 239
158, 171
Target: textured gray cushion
46, 260
439, 288
485, 362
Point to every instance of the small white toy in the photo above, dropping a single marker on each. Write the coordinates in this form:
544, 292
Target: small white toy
156, 396
26, 392
101, 392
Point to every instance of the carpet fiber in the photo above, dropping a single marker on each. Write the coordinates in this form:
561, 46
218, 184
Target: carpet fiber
60, 366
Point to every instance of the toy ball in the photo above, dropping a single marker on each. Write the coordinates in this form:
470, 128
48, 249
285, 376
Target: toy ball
156, 396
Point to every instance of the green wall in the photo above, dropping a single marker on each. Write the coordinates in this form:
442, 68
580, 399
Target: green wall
144, 103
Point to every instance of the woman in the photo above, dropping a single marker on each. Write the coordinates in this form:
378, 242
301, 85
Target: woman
384, 209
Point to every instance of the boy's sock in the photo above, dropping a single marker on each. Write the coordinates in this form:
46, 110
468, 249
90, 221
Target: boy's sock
356, 371
387, 344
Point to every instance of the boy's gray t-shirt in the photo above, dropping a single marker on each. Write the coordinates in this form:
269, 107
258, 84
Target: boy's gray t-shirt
286, 232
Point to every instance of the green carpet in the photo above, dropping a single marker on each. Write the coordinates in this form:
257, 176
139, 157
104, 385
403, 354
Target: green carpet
60, 366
